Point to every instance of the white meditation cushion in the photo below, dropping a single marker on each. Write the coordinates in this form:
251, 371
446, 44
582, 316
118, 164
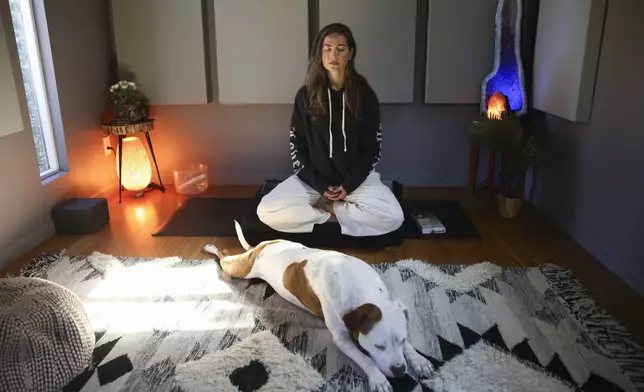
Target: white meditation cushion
45, 336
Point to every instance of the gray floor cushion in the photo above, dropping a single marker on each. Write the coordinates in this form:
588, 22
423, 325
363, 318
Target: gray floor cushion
45, 336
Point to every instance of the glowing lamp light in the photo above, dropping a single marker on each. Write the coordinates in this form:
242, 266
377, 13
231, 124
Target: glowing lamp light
137, 170
497, 105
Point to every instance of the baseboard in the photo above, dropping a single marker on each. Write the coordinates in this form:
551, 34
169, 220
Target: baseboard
25, 244
427, 180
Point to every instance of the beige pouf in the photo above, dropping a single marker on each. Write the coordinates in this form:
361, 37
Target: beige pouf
45, 336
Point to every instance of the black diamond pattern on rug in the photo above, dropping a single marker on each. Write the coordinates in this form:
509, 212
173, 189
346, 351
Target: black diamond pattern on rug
345, 378
79, 381
552, 311
98, 335
558, 368
227, 340
268, 292
159, 372
106, 372
318, 362
474, 293
493, 336
250, 377
491, 285
255, 282
596, 383
196, 353
448, 349
406, 273
429, 285
258, 326
470, 337
114, 369
524, 351
161, 334
92, 275
382, 267
450, 269
298, 344
278, 330
405, 383
103, 350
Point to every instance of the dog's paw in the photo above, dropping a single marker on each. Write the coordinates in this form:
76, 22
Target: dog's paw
378, 383
421, 366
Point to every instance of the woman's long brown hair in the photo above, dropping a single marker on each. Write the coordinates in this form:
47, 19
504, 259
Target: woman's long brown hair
317, 79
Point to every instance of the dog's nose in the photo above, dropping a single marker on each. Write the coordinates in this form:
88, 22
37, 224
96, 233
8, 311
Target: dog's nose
398, 371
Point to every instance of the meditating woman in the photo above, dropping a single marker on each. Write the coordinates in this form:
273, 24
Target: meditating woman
335, 146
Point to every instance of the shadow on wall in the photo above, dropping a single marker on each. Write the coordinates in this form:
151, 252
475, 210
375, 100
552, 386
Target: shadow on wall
557, 190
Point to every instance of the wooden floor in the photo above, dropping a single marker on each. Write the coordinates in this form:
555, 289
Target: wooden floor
529, 240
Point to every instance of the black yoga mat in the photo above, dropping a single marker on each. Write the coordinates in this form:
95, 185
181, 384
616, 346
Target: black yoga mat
213, 217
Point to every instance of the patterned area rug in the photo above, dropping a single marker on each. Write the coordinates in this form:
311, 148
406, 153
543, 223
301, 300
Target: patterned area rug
180, 326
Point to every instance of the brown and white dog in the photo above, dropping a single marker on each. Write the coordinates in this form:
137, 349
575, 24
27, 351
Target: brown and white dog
345, 291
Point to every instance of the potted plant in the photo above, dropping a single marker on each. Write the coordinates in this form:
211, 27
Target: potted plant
519, 150
130, 104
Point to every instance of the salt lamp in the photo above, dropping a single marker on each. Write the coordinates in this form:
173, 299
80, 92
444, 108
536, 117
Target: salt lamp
507, 75
497, 105
137, 171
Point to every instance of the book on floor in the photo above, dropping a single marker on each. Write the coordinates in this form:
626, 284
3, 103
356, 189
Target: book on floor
427, 222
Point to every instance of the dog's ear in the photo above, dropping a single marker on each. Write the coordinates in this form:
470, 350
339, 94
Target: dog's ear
403, 307
361, 319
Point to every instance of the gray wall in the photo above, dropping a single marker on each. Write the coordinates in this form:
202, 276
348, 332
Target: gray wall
81, 50
422, 144
595, 185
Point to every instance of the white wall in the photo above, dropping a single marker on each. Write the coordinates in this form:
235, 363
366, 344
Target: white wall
385, 32
23, 201
161, 42
10, 116
566, 55
460, 49
79, 37
262, 50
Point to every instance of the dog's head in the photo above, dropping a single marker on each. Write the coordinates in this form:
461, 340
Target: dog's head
382, 334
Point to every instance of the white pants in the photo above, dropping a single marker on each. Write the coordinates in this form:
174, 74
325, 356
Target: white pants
372, 209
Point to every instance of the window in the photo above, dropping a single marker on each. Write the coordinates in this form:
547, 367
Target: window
24, 25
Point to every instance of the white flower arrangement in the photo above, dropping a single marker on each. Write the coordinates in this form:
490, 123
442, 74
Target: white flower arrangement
123, 85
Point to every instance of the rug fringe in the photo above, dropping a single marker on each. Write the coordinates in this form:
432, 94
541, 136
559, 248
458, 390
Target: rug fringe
40, 264
613, 338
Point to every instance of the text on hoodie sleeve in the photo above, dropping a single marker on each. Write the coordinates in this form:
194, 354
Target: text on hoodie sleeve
299, 149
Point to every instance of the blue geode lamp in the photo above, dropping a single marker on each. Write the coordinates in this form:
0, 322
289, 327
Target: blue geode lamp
507, 76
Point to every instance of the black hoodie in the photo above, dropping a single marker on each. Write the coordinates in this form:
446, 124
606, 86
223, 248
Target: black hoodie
342, 154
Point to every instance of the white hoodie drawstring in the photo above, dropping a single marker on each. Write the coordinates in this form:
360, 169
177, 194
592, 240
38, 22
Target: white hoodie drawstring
330, 122
344, 134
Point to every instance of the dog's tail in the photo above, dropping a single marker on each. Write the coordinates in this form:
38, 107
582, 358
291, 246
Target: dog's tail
240, 237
